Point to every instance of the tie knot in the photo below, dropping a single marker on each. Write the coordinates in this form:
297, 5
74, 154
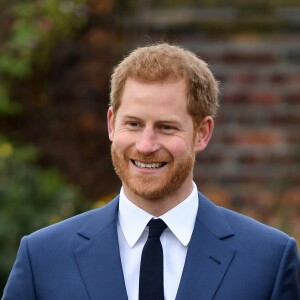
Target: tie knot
156, 228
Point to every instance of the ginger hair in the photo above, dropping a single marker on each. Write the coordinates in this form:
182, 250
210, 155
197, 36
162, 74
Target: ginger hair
162, 63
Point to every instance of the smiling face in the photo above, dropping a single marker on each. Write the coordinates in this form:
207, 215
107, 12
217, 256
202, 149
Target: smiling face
154, 142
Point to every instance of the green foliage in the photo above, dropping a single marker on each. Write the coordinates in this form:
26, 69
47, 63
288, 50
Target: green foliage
6, 106
30, 198
29, 38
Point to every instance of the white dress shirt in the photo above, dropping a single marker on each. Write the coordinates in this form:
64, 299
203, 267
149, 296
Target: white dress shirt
133, 233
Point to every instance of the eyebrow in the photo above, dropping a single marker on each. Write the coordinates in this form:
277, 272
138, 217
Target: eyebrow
131, 117
171, 121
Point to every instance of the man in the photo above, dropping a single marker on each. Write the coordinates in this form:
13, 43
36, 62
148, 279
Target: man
163, 100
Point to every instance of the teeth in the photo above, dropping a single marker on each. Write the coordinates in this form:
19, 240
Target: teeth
148, 166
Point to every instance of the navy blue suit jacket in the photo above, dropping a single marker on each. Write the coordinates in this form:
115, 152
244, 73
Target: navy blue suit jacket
229, 257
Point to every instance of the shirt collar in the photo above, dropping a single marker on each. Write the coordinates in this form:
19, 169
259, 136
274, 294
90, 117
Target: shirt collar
180, 219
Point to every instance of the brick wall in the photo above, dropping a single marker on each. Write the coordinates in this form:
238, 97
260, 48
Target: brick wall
253, 161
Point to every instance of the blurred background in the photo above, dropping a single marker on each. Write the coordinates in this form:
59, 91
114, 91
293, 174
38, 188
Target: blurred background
56, 58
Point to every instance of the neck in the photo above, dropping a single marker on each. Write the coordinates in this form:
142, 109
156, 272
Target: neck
159, 206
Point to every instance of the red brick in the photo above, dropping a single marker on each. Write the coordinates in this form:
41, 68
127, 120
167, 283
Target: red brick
275, 220
251, 212
267, 137
266, 199
295, 78
244, 77
252, 159
88, 122
291, 197
249, 57
293, 97
235, 96
97, 36
219, 196
295, 138
265, 97
278, 78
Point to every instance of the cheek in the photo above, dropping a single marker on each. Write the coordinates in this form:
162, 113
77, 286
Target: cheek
178, 149
122, 141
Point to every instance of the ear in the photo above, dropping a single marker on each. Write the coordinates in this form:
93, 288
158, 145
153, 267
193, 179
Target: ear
110, 123
204, 133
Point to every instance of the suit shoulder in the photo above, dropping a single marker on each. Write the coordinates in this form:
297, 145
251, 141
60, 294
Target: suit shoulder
252, 229
70, 226
225, 222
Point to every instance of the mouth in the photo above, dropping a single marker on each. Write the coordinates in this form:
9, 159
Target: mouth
148, 165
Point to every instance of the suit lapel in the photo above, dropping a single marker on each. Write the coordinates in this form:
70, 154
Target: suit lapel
208, 257
98, 257
207, 260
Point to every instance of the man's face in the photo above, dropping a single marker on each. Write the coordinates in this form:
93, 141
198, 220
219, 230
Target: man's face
153, 140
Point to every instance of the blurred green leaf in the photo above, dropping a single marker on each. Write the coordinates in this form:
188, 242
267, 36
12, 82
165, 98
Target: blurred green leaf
35, 28
6, 106
30, 198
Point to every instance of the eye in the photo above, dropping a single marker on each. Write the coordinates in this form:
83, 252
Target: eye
133, 124
166, 128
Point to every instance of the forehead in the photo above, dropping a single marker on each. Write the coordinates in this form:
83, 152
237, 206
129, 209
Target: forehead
162, 93
155, 100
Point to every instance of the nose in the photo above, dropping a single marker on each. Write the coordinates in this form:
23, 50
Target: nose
147, 142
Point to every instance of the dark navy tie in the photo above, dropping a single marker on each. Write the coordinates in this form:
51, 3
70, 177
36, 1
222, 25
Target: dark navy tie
151, 285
